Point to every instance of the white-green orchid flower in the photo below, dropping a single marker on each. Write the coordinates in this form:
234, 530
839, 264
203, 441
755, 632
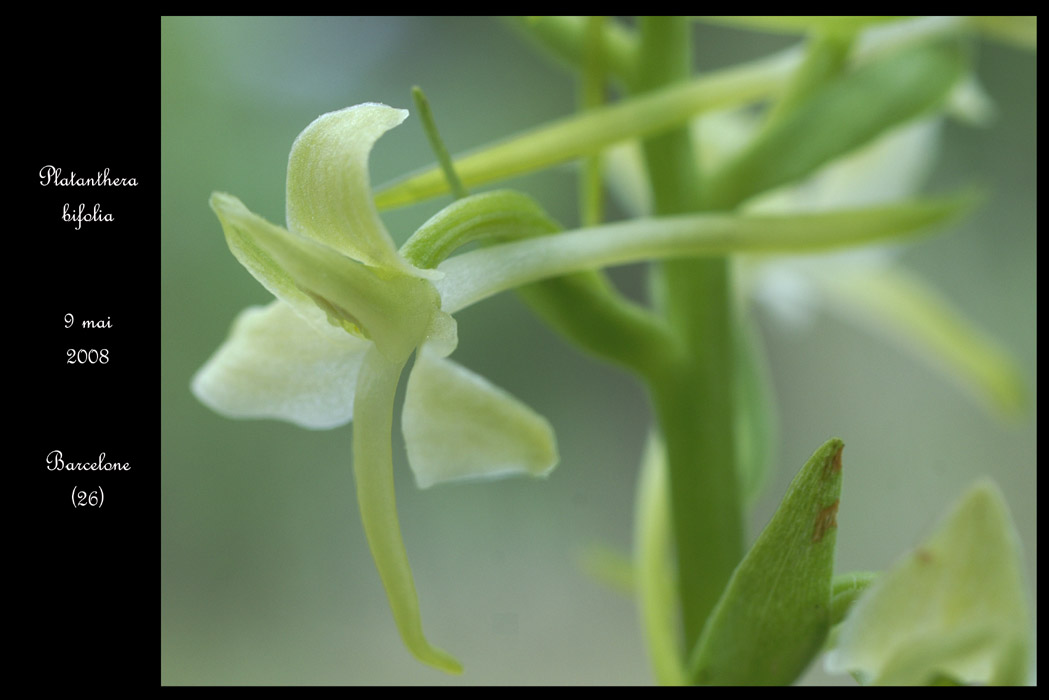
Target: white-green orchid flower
953, 610
349, 313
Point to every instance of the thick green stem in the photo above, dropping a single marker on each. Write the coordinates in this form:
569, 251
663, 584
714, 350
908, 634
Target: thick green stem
694, 399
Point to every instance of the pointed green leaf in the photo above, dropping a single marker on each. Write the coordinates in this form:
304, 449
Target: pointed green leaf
775, 612
953, 607
277, 365
842, 115
457, 425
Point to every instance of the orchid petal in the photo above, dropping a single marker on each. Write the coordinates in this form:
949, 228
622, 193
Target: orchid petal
458, 426
395, 311
954, 607
275, 364
238, 223
329, 191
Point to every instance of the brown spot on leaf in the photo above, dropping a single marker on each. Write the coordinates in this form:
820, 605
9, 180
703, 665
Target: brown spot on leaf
826, 519
924, 556
833, 464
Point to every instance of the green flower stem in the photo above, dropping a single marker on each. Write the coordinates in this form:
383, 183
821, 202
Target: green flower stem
694, 399
373, 472
590, 132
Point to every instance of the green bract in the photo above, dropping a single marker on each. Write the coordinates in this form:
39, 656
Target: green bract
775, 612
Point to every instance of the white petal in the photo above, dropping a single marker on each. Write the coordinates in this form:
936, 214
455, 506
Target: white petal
393, 310
458, 426
954, 606
245, 231
275, 364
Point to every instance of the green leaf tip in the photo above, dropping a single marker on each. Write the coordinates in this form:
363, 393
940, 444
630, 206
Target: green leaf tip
775, 612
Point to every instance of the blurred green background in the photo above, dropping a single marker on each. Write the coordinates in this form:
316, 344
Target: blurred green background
265, 573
